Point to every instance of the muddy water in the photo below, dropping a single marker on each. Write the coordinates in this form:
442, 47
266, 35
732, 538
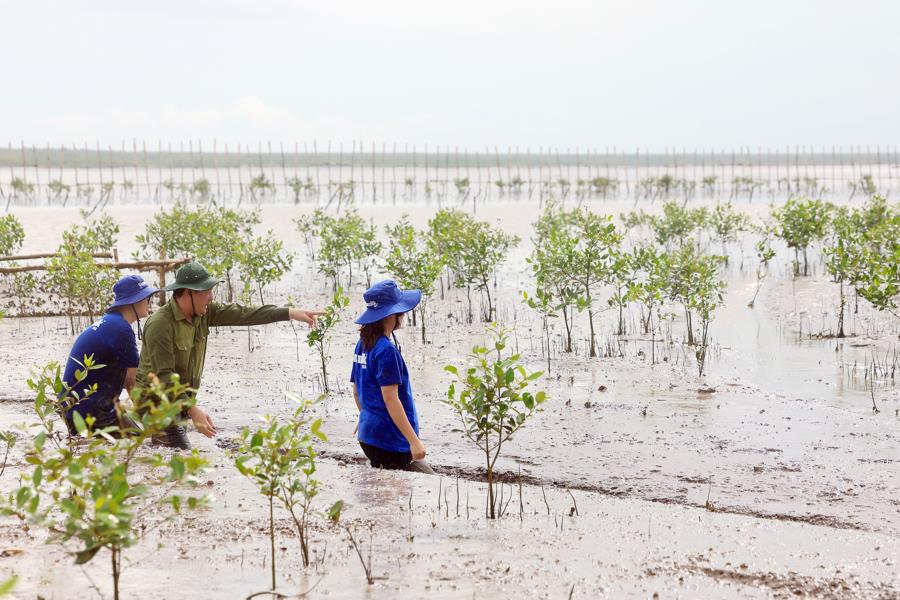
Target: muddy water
787, 434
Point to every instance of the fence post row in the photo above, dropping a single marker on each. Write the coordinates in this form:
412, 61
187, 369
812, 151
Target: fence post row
96, 176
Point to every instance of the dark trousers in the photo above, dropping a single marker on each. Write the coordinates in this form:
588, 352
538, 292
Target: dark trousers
400, 461
105, 421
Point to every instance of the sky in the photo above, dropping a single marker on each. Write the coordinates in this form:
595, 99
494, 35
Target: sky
650, 74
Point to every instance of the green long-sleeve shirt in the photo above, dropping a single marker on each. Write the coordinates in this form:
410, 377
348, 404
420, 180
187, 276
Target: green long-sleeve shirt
172, 344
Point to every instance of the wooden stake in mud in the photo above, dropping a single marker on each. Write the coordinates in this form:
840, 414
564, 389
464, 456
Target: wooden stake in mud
162, 275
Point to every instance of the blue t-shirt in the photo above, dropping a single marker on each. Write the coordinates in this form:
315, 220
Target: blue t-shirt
382, 365
111, 341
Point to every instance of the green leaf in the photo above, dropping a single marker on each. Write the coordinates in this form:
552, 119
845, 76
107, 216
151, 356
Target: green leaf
8, 585
86, 555
334, 511
177, 466
79, 423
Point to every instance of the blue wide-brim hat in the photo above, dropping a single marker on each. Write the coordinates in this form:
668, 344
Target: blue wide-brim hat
131, 289
384, 299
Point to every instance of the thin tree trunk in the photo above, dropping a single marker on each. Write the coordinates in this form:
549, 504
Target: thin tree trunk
490, 482
324, 373
841, 314
593, 352
272, 536
568, 324
690, 326
116, 570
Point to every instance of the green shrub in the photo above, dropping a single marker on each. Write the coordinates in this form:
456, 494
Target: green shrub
800, 222
492, 399
412, 264
279, 458
101, 496
12, 234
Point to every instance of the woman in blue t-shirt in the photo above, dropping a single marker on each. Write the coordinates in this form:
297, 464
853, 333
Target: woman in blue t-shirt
388, 430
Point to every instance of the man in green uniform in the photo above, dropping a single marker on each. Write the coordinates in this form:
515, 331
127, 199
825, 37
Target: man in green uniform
175, 339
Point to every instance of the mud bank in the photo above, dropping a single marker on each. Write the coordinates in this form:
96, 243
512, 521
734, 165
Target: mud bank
774, 460
443, 547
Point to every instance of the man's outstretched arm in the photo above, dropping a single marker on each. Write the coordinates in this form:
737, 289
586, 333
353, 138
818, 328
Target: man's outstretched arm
235, 314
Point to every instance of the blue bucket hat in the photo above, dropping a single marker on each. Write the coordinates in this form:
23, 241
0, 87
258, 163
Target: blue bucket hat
131, 289
384, 299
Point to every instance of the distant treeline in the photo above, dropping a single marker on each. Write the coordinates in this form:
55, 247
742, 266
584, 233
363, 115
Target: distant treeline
317, 154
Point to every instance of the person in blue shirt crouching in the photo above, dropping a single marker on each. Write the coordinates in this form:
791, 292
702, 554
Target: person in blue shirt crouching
111, 342
388, 429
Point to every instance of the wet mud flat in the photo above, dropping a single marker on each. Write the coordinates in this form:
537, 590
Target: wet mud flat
429, 539
777, 446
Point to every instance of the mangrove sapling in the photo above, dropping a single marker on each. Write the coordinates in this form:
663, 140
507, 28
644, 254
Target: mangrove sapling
554, 247
764, 253
200, 188
843, 257
366, 564
541, 301
681, 268
491, 398
647, 288
483, 249
445, 241
319, 336
300, 186
726, 223
101, 495
12, 234
311, 228
259, 185
83, 286
462, 187
21, 187
7, 440
619, 275
215, 236
801, 222
604, 185
279, 458
589, 264
412, 264
879, 265
263, 261
343, 241
677, 224
59, 188
705, 294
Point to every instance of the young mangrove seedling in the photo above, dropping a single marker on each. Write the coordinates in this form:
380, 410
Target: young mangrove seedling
101, 495
318, 337
279, 458
492, 399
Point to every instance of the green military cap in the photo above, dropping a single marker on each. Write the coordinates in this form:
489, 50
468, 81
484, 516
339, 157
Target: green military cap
192, 276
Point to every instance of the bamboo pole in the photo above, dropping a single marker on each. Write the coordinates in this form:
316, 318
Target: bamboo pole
137, 265
49, 255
